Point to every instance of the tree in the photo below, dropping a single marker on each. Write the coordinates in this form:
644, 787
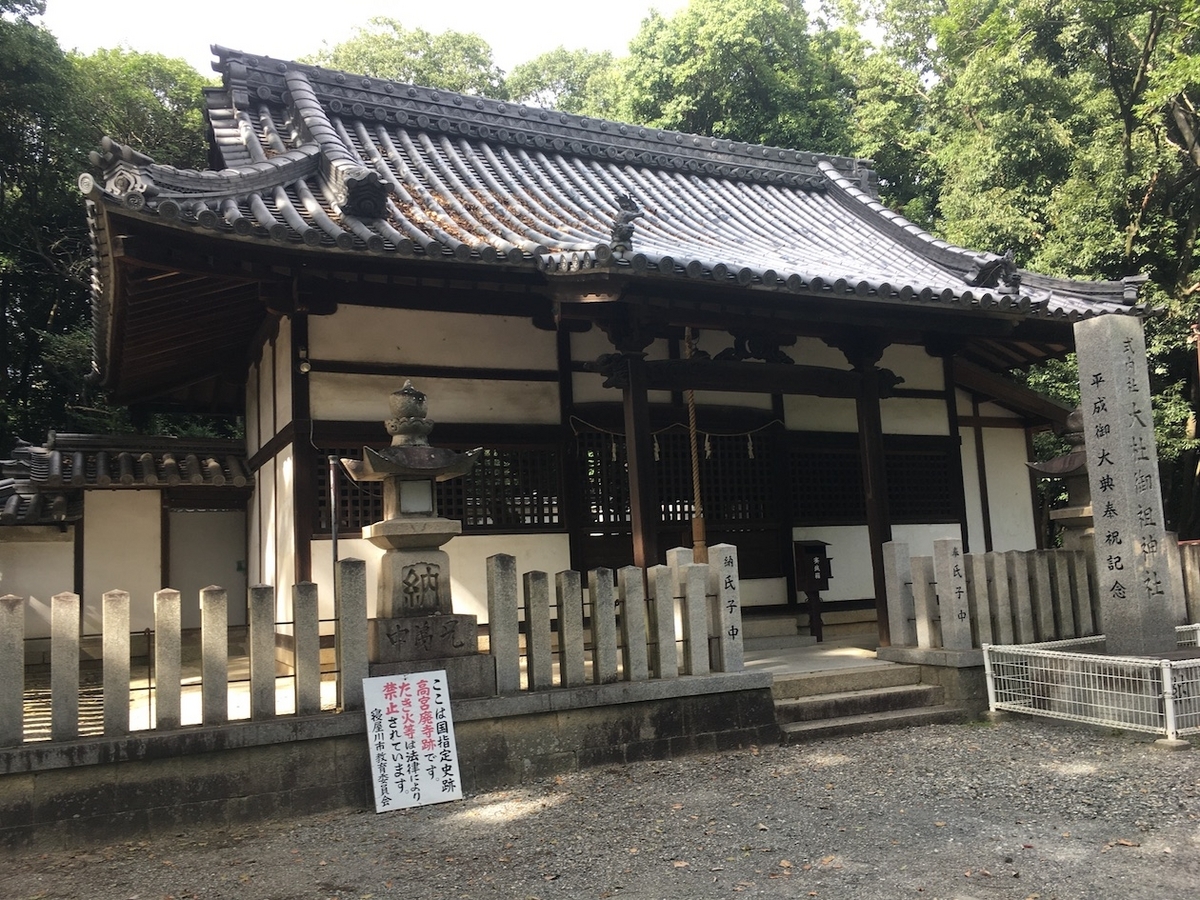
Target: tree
1065, 129
54, 108
575, 81
384, 48
151, 101
742, 69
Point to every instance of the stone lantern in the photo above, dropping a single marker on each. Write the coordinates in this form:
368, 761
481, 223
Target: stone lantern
415, 628
1076, 517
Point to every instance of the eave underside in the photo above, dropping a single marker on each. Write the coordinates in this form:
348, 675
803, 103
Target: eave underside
187, 310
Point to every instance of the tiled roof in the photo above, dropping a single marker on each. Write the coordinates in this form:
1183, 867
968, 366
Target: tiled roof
44, 485
343, 164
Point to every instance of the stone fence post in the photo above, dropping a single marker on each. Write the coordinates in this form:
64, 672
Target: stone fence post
12, 670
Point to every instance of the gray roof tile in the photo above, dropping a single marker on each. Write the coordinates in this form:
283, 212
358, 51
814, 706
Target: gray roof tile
342, 163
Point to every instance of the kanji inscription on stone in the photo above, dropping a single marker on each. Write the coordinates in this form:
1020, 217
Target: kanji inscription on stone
1134, 574
951, 575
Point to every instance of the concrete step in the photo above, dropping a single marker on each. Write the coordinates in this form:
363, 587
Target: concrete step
798, 732
844, 704
857, 678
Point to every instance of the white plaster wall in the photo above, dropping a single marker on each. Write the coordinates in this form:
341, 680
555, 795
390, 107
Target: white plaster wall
763, 591
122, 550
1009, 497
986, 408
970, 469
815, 352
819, 414
373, 334
731, 398
587, 387
283, 375
266, 394
849, 552
285, 533
906, 415
365, 397
207, 547
269, 548
915, 366
37, 563
550, 553
995, 409
254, 530
920, 538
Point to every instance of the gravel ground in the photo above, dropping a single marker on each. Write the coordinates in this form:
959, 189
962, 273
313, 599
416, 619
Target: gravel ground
1021, 809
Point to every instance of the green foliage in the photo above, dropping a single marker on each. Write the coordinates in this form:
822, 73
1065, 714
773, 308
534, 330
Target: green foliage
384, 48
54, 108
152, 101
742, 69
575, 81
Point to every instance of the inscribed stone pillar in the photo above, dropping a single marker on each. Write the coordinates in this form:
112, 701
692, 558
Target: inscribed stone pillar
1137, 606
953, 603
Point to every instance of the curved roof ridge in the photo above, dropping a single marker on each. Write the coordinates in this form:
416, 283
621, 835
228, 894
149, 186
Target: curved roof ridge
249, 76
959, 261
136, 177
358, 189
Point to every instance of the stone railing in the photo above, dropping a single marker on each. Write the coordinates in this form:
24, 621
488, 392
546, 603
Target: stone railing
957, 601
632, 636
632, 626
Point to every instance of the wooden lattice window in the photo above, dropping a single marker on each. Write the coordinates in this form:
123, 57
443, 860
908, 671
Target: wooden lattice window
357, 504
509, 489
921, 483
826, 480
735, 478
606, 484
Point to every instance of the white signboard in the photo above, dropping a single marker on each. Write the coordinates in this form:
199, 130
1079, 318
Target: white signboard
414, 759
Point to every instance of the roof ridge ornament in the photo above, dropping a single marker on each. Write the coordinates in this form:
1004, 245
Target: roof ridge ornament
358, 189
622, 230
990, 269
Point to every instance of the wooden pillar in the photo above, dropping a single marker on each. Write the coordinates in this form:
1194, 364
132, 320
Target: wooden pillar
874, 476
863, 351
956, 468
639, 455
571, 479
305, 459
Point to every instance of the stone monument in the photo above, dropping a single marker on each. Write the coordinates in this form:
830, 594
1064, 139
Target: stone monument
415, 628
1139, 608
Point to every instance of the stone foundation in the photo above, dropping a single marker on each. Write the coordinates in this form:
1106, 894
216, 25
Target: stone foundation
90, 792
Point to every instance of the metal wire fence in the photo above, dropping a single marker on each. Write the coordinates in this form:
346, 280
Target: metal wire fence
1072, 680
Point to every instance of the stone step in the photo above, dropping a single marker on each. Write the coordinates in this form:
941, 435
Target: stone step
779, 642
798, 732
858, 678
845, 704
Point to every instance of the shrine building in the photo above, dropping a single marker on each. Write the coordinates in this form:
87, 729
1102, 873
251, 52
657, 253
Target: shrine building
560, 287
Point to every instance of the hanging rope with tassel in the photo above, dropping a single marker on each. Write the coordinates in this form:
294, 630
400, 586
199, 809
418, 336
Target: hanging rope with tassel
699, 539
